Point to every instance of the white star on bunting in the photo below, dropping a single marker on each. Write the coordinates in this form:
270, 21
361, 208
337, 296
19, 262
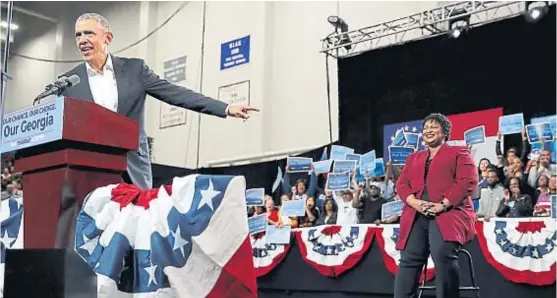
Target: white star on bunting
535, 253
7, 240
207, 196
89, 244
179, 242
414, 129
151, 271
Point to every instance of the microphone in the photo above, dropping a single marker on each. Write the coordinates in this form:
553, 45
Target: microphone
58, 87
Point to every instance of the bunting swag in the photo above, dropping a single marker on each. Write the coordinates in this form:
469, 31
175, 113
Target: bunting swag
522, 250
187, 240
332, 250
266, 256
387, 236
192, 237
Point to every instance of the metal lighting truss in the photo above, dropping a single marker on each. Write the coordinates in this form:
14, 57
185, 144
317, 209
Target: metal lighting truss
419, 26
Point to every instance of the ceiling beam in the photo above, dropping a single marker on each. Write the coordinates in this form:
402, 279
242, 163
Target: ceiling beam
31, 13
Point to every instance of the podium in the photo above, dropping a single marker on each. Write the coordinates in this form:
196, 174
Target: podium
65, 148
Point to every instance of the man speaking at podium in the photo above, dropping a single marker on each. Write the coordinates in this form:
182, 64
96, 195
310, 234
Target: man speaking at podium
121, 85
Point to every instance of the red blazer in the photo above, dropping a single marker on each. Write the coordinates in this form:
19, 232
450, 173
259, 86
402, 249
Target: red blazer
452, 175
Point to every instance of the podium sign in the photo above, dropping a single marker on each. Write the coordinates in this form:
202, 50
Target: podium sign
33, 126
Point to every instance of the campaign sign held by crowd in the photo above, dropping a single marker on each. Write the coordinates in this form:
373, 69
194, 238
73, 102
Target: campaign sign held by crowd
552, 120
475, 135
511, 124
536, 132
338, 181
33, 126
399, 155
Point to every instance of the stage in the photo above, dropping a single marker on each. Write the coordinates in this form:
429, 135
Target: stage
293, 277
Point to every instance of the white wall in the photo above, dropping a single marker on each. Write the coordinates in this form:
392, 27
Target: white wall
286, 70
36, 38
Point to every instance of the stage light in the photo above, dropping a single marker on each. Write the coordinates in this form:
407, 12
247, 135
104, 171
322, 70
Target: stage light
535, 10
342, 26
459, 25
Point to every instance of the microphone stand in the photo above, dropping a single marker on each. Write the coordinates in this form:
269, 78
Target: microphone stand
4, 71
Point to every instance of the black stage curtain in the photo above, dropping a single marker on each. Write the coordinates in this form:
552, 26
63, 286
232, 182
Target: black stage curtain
509, 64
293, 277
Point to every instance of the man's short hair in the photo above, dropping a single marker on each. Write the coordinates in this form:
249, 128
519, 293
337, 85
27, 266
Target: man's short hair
94, 16
442, 120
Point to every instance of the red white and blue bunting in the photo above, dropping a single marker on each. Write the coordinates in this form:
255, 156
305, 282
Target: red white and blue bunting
522, 250
387, 236
332, 250
266, 256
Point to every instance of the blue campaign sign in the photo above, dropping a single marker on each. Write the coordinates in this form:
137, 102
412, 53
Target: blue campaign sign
257, 223
552, 120
379, 170
338, 181
322, 167
33, 126
293, 208
298, 164
536, 132
368, 162
475, 135
255, 197
234, 52
511, 124
341, 166
391, 209
339, 152
399, 155
353, 156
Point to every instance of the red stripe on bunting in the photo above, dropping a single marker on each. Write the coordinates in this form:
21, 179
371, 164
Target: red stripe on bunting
517, 276
236, 278
260, 271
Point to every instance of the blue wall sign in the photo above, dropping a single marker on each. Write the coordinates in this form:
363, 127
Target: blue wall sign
234, 52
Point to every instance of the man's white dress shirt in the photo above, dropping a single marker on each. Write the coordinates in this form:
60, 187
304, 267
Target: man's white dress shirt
103, 86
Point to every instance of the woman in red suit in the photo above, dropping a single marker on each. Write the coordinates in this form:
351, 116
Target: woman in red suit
438, 216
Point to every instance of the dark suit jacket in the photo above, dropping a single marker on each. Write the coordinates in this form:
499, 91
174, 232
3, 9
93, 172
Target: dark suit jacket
452, 175
134, 81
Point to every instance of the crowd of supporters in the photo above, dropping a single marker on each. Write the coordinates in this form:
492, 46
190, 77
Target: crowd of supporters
517, 184
11, 182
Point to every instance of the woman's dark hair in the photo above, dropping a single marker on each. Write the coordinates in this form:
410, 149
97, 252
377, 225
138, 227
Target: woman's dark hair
538, 180
487, 168
520, 185
442, 120
332, 202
